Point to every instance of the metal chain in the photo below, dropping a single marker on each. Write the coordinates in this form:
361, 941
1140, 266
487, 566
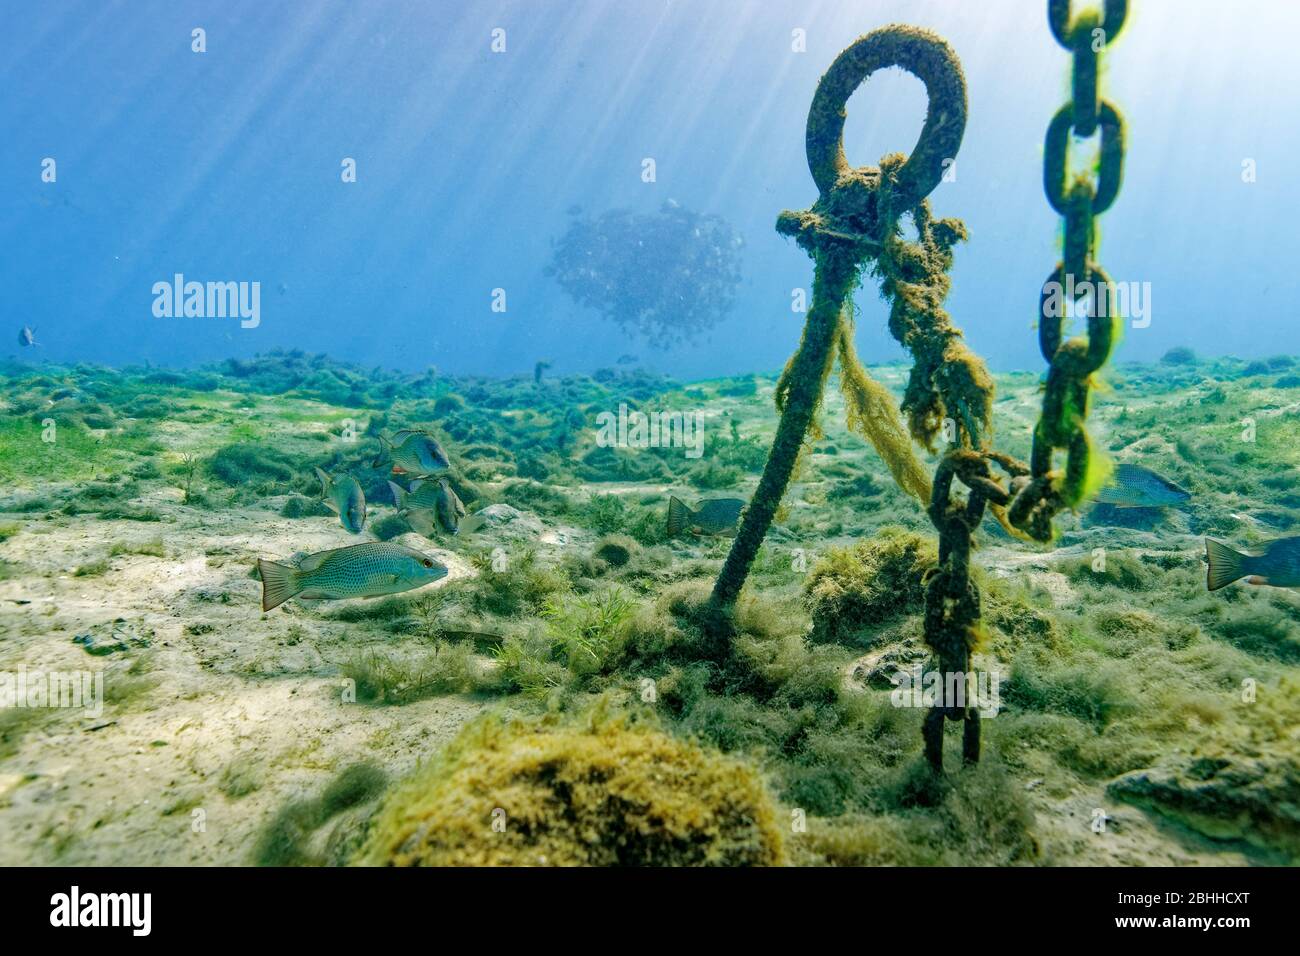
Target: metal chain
1072, 363
854, 223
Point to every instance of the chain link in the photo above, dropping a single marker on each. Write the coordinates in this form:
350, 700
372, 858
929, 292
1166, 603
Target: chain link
1079, 201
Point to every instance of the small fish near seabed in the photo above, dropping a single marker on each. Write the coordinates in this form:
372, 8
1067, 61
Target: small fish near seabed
716, 516
1133, 486
1278, 566
429, 503
27, 337
344, 497
370, 569
414, 453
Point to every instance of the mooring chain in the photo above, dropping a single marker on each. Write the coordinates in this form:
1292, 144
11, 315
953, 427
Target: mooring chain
1072, 363
855, 224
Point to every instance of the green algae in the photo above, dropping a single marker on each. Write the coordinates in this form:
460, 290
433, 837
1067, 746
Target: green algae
606, 794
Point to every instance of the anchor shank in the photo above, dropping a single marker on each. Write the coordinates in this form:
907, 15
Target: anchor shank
832, 284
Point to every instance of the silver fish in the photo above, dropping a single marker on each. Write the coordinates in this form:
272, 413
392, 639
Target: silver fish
717, 516
414, 453
427, 502
345, 498
27, 337
1133, 486
359, 570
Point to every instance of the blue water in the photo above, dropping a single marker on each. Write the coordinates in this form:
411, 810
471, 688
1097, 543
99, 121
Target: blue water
225, 166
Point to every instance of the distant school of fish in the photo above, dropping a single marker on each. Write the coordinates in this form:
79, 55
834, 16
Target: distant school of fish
430, 504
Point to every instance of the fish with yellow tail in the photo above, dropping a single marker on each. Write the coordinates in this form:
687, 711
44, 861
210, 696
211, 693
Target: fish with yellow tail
1278, 566
344, 497
370, 569
413, 453
716, 516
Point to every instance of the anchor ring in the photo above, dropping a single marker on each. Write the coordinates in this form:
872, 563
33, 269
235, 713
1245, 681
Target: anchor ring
923, 54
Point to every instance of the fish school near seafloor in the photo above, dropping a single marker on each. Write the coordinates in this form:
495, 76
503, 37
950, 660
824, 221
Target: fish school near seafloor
374, 568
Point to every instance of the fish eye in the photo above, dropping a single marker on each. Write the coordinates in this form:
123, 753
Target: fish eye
427, 563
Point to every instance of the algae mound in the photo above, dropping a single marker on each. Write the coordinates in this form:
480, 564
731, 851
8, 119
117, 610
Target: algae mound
609, 794
852, 590
1240, 782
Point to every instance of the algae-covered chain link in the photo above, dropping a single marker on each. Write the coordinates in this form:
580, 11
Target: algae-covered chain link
1071, 363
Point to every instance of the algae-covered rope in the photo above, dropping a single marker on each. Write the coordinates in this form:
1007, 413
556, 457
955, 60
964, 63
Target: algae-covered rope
1072, 363
843, 231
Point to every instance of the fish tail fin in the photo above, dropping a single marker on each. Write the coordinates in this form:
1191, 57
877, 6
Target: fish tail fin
279, 583
1225, 564
324, 479
399, 494
385, 450
420, 522
678, 516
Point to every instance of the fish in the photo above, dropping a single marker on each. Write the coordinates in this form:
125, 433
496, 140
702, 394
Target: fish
369, 569
1278, 566
626, 359
27, 337
428, 501
716, 516
413, 453
1133, 486
345, 498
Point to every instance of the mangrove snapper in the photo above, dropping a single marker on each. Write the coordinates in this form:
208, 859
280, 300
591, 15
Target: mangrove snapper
1132, 486
358, 570
345, 498
719, 516
428, 501
1279, 565
413, 453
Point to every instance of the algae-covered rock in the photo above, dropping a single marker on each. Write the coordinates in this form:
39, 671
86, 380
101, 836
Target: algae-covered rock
851, 591
616, 550
516, 794
1241, 783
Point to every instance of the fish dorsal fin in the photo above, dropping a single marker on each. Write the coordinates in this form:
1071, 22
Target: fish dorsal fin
312, 562
399, 495
325, 479
400, 436
1171, 485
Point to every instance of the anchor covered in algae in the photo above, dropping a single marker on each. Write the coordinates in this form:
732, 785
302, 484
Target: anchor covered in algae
854, 228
